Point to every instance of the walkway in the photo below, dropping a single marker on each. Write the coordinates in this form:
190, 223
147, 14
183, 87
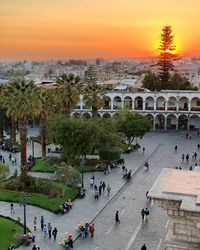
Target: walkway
83, 209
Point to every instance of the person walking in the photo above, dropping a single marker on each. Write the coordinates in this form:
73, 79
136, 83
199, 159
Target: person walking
35, 223
142, 214
45, 230
54, 233
176, 147
143, 150
49, 230
96, 194
108, 188
42, 222
13, 159
187, 157
144, 247
198, 146
10, 156
34, 247
12, 211
183, 157
100, 189
91, 230
117, 217
103, 186
146, 212
91, 183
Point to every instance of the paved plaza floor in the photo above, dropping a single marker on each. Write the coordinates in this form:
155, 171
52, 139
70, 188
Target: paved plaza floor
131, 233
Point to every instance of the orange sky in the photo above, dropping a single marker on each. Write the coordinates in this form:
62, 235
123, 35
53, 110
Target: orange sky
62, 29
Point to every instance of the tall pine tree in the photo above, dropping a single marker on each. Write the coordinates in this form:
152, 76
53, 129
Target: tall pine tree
166, 56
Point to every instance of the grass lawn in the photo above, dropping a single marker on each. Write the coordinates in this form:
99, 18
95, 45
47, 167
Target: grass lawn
39, 200
42, 165
8, 233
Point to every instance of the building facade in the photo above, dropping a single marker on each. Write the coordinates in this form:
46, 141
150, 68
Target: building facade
167, 110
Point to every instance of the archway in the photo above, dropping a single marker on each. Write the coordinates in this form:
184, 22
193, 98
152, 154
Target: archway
138, 103
86, 115
160, 103
107, 102
106, 115
194, 122
117, 102
128, 102
151, 118
183, 103
182, 122
195, 104
99, 115
160, 121
76, 115
171, 122
149, 103
172, 103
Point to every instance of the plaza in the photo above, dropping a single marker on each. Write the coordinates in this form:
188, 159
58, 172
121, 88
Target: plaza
128, 198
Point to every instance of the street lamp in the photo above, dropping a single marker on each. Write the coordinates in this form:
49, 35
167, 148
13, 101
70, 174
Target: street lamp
23, 203
33, 149
82, 166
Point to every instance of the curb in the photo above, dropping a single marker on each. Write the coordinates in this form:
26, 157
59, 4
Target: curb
120, 188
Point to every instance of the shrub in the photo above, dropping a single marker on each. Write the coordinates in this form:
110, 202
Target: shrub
53, 160
54, 193
110, 155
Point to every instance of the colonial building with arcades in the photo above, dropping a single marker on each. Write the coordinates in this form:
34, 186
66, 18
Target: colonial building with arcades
167, 109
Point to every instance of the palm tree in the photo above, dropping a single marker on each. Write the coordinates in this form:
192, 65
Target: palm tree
68, 92
47, 107
21, 100
94, 97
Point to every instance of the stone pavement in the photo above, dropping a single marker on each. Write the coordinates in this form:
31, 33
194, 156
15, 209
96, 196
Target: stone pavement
132, 195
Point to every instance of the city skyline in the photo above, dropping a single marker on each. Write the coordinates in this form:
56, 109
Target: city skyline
36, 30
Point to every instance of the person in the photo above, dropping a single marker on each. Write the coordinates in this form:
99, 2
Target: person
103, 186
144, 247
12, 211
146, 166
10, 156
100, 188
34, 247
117, 217
13, 160
146, 212
176, 148
70, 241
49, 230
183, 156
190, 168
96, 194
42, 222
35, 223
187, 157
91, 230
108, 188
45, 230
54, 233
198, 146
123, 168
143, 150
142, 214
91, 183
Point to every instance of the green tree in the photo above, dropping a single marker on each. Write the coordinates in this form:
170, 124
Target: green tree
94, 97
166, 56
47, 99
68, 175
179, 82
77, 137
68, 92
151, 81
132, 125
21, 100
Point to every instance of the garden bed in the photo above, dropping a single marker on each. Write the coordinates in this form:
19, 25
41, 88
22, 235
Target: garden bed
42, 165
41, 200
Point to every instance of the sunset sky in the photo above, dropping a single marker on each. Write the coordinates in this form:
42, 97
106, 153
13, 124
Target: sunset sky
62, 29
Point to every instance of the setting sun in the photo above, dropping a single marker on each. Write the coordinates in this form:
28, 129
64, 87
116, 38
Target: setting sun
167, 50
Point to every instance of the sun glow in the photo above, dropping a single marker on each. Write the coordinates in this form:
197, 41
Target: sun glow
167, 50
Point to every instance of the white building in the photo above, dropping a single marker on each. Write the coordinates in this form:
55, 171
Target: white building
168, 110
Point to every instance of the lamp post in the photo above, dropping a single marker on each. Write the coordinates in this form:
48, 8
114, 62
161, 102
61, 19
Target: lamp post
33, 149
23, 203
82, 166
